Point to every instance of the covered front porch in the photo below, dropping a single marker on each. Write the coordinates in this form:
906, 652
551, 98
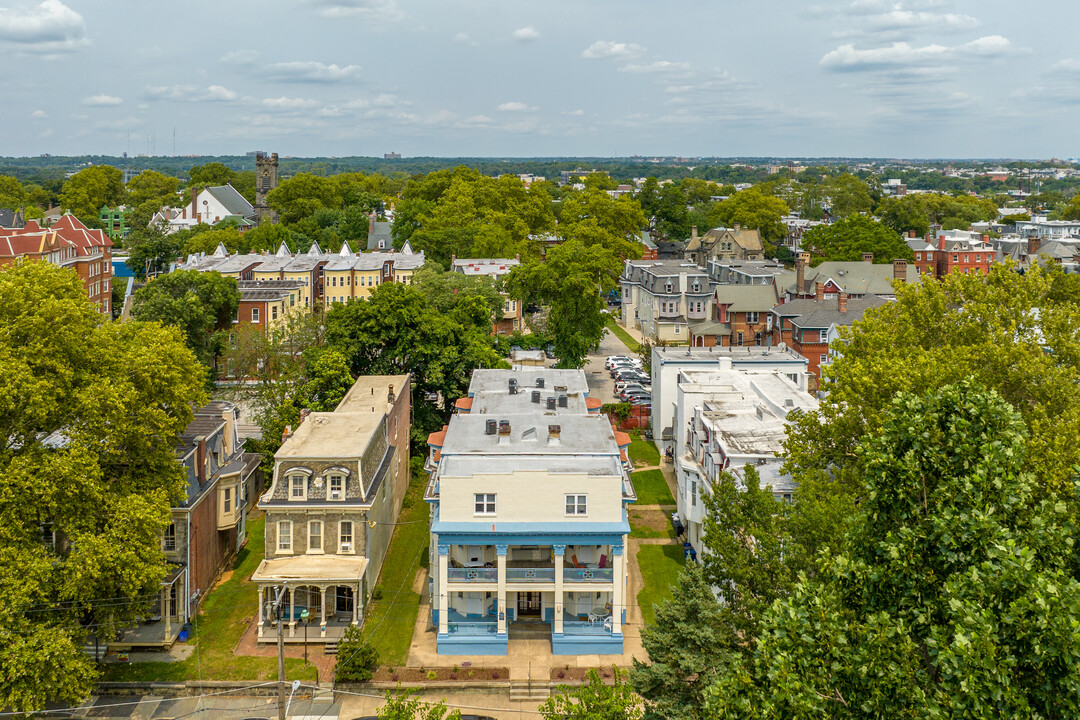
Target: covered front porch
169, 614
315, 598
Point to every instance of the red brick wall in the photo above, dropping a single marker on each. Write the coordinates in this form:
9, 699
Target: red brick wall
209, 548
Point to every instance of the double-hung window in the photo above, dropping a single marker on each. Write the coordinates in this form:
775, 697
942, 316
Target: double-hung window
297, 487
284, 536
484, 503
337, 487
227, 501
752, 317
345, 536
255, 315
314, 536
168, 542
577, 504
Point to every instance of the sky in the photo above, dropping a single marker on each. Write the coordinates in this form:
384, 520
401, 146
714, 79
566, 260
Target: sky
848, 78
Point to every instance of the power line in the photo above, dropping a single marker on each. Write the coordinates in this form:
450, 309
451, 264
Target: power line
133, 702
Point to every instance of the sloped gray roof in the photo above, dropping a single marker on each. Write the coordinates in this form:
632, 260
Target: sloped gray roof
813, 314
233, 201
747, 297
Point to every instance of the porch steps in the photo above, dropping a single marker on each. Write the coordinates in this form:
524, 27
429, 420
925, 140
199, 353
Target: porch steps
331, 647
530, 630
530, 690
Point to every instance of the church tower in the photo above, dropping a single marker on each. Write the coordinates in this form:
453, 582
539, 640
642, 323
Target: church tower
266, 179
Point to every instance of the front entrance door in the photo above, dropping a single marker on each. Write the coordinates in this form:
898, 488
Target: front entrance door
344, 599
528, 604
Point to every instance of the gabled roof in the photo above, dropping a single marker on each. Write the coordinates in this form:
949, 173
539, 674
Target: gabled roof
315, 250
233, 201
345, 251
283, 251
742, 298
813, 314
854, 277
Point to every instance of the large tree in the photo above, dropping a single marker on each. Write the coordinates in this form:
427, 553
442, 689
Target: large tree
958, 594
90, 411
593, 217
88, 190
202, 305
848, 239
570, 282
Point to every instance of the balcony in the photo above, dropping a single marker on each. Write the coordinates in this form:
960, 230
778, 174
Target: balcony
601, 575
530, 574
473, 574
472, 629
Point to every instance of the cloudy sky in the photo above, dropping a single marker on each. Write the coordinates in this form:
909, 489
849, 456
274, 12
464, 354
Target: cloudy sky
914, 78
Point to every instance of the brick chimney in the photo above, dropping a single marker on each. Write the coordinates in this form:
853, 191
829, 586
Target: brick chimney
841, 302
194, 203
819, 291
1034, 244
200, 460
371, 223
899, 270
304, 415
911, 233
390, 395
286, 434
693, 232
868, 257
801, 261
941, 242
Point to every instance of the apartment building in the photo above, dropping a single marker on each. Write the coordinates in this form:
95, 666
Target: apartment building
528, 493
510, 320
661, 297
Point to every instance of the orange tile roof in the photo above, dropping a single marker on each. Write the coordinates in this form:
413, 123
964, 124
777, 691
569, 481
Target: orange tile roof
622, 439
464, 403
437, 438
593, 403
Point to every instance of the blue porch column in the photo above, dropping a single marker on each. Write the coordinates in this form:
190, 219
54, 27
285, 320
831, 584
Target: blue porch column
444, 564
619, 589
500, 551
558, 551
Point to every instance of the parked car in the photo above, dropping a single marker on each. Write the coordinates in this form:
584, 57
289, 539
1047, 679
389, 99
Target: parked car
629, 395
614, 358
644, 403
630, 390
621, 385
625, 373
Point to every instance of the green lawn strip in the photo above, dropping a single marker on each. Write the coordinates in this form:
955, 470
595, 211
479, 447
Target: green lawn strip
621, 333
643, 452
221, 622
651, 488
639, 530
391, 619
660, 566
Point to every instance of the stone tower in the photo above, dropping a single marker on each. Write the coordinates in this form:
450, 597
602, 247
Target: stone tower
266, 179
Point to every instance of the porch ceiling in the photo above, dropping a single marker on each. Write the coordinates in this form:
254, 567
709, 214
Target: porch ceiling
311, 567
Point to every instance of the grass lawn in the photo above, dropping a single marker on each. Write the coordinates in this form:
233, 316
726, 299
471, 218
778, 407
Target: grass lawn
651, 488
660, 566
621, 333
643, 452
650, 524
225, 615
391, 619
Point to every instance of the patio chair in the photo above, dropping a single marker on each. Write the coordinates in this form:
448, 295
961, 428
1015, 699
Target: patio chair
603, 561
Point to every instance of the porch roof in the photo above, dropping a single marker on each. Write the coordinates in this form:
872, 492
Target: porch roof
311, 567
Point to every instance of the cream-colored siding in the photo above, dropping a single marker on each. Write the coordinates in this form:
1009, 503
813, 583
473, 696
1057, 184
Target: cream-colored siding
532, 496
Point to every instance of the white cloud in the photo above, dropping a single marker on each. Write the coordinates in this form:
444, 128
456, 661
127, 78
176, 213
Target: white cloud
38, 115
514, 106
287, 103
240, 57
463, 37
374, 10
988, 45
900, 54
657, 66
101, 100
312, 72
577, 112
1067, 65
898, 19
382, 100
192, 93
606, 49
477, 120
526, 34
50, 27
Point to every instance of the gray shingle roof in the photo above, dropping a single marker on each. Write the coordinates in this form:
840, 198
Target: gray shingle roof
233, 201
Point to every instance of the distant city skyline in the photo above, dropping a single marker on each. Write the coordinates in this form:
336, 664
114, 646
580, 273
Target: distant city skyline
850, 78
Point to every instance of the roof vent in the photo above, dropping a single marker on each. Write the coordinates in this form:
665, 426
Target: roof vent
491, 427
536, 396
554, 433
789, 402
551, 403
539, 382
563, 401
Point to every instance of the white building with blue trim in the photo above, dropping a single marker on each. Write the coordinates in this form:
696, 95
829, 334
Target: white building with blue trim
529, 491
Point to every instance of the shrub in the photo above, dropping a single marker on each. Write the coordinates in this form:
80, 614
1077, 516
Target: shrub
432, 675
356, 660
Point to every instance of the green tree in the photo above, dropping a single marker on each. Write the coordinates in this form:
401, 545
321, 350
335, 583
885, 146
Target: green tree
208, 240
752, 208
151, 250
957, 595
593, 217
211, 174
88, 190
451, 293
406, 706
151, 186
848, 195
570, 282
595, 700
12, 194
90, 411
356, 659
202, 305
1070, 211
303, 194
848, 239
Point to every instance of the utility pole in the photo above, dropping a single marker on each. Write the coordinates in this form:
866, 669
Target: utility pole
279, 602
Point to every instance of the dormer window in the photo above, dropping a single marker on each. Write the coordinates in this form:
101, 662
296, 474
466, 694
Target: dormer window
336, 488
669, 288
297, 487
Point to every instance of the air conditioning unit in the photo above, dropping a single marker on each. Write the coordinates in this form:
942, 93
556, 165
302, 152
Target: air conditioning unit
346, 547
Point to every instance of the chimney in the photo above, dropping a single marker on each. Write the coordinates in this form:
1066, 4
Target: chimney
841, 302
868, 257
286, 434
551, 403
1034, 244
693, 232
453, 259
941, 242
819, 292
536, 396
304, 414
801, 261
371, 223
899, 270
390, 395
986, 238
911, 233
738, 227
490, 427
517, 256
194, 203
200, 458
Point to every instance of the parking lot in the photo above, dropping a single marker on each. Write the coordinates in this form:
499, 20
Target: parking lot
600, 383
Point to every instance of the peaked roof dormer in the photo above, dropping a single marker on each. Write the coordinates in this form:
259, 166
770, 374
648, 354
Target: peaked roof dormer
315, 250
221, 252
283, 250
406, 249
345, 251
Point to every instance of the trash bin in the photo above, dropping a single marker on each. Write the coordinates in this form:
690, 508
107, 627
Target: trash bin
185, 632
693, 555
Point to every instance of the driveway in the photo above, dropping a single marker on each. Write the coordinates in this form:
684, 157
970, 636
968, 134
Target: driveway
600, 383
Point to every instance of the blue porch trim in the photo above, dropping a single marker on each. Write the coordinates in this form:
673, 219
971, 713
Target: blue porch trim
586, 644
454, 644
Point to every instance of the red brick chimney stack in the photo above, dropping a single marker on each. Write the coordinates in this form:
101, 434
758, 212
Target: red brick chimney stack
841, 302
819, 292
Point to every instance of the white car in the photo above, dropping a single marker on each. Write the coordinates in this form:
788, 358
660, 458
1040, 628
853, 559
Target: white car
612, 359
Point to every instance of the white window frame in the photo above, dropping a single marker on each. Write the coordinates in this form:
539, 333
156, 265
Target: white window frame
285, 525
345, 546
168, 538
254, 315
303, 487
752, 317
227, 500
484, 504
330, 487
311, 534
577, 505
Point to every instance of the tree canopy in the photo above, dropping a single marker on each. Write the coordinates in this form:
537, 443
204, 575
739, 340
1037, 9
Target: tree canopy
88, 190
848, 239
753, 209
90, 411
